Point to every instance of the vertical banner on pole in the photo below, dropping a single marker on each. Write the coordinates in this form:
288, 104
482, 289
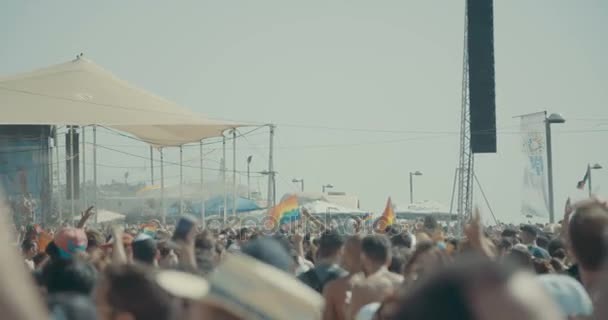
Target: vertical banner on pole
534, 148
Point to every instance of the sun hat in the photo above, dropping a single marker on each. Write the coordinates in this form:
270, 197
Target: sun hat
568, 294
253, 290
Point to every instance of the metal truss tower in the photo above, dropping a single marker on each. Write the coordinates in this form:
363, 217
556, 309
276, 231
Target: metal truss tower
465, 165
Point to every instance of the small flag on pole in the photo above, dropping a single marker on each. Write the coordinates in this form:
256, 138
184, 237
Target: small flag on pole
581, 184
387, 218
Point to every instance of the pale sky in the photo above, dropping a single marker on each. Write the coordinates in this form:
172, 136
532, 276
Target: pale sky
362, 92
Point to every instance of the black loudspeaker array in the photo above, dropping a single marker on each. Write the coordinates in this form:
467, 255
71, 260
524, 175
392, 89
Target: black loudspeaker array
482, 94
72, 153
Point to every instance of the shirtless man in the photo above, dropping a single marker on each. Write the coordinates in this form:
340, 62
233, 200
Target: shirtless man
337, 293
378, 282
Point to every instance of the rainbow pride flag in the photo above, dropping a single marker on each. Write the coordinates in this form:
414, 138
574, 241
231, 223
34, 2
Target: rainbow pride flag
286, 211
388, 216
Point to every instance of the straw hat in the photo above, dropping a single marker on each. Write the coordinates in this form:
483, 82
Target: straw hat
254, 290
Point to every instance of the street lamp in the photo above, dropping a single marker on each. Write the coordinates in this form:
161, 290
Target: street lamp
412, 174
590, 167
301, 181
554, 118
249, 177
327, 186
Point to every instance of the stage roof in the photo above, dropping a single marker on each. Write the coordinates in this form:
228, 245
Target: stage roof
81, 93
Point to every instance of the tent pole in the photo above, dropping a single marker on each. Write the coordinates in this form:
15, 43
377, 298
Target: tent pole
224, 175
234, 172
202, 187
72, 210
95, 170
162, 186
84, 172
271, 191
59, 202
181, 180
151, 166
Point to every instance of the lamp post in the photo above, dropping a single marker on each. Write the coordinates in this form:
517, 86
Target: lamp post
249, 177
590, 167
327, 186
301, 182
412, 174
554, 118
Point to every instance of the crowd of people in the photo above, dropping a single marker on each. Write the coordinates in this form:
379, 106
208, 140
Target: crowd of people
416, 271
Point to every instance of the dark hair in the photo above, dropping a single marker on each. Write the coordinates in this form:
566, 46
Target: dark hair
69, 275
588, 227
449, 289
402, 240
376, 247
144, 251
430, 223
530, 229
555, 245
398, 260
509, 233
28, 244
132, 289
70, 306
52, 250
542, 242
330, 244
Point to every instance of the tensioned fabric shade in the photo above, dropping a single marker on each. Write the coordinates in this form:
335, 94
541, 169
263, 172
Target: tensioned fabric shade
81, 93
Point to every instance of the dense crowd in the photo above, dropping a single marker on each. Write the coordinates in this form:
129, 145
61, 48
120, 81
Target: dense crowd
414, 270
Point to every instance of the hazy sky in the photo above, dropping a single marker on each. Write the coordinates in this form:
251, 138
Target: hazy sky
315, 66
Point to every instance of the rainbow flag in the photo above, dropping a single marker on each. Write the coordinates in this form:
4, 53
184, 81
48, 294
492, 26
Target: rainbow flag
286, 211
149, 229
388, 216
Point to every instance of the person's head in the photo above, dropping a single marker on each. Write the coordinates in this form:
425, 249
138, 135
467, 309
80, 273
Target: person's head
375, 252
70, 242
521, 257
351, 259
95, 239
543, 242
426, 258
330, 245
269, 251
403, 239
71, 306
52, 251
29, 248
130, 292
587, 231
475, 288
69, 275
554, 246
145, 251
528, 235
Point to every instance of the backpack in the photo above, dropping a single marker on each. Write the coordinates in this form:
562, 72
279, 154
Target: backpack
316, 282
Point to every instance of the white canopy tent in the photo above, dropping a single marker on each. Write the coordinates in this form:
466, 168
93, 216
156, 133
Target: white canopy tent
81, 93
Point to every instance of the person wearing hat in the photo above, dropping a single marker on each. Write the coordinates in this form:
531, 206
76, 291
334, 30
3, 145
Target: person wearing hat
244, 288
529, 234
145, 250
